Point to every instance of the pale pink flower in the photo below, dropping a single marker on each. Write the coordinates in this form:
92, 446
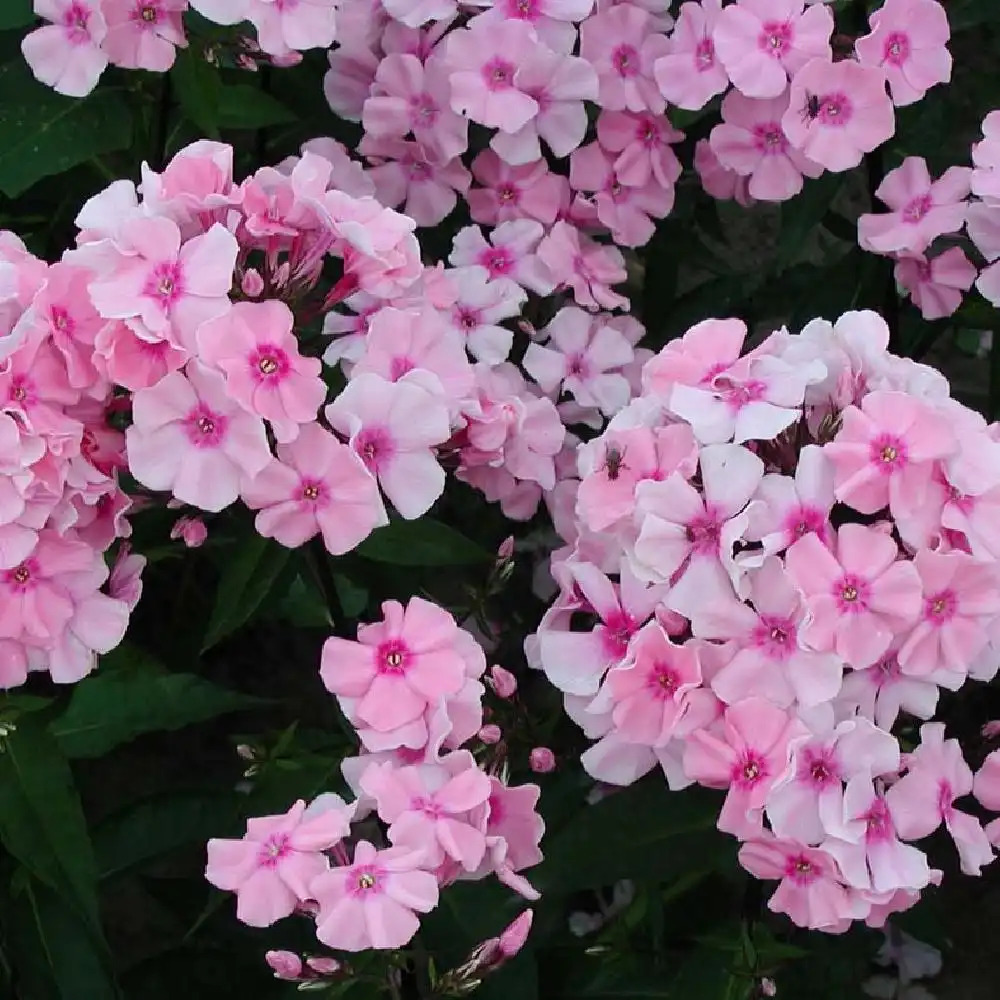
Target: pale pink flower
880, 692
718, 181
284, 27
254, 347
479, 309
908, 42
66, 54
922, 209
986, 157
315, 485
393, 427
746, 753
859, 596
584, 357
552, 20
587, 267
986, 785
885, 452
530, 190
132, 361
706, 349
752, 142
514, 829
410, 96
144, 34
347, 83
373, 903
272, 867
643, 144
761, 43
689, 74
511, 252
810, 890
397, 667
936, 775
483, 61
622, 43
936, 284
853, 113
414, 13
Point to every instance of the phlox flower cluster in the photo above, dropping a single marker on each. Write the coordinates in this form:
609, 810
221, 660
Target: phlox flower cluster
411, 686
773, 557
81, 38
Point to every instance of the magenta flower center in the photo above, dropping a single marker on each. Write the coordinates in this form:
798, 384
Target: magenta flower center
775, 637
148, 13
273, 850
804, 521
497, 260
618, 628
269, 363
165, 284
897, 48
917, 208
801, 870
663, 681
818, 768
507, 193
205, 428
365, 879
22, 391
835, 110
851, 594
878, 823
311, 490
750, 769
75, 22
704, 55
427, 806
625, 59
498, 74
375, 447
776, 38
945, 798
468, 319
703, 533
20, 577
888, 453
523, 10
577, 366
392, 657
61, 320
739, 394
941, 607
769, 139
423, 111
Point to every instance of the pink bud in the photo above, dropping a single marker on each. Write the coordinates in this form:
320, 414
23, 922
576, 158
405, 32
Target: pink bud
490, 734
323, 966
252, 284
285, 964
503, 682
991, 730
506, 550
513, 938
191, 529
542, 760
768, 987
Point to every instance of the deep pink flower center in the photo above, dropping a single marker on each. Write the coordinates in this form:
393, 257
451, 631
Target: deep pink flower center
663, 681
704, 532
819, 768
704, 55
21, 578
392, 657
888, 453
427, 806
269, 363
507, 193
805, 521
776, 38
312, 491
273, 850
75, 20
618, 628
917, 208
769, 139
801, 870
375, 446
835, 110
165, 284
739, 394
61, 320
750, 769
946, 797
878, 822
423, 111
22, 391
775, 637
498, 74
577, 365
399, 366
468, 319
145, 12
851, 594
523, 10
897, 48
648, 131
941, 607
419, 170
625, 59
365, 879
205, 428
497, 260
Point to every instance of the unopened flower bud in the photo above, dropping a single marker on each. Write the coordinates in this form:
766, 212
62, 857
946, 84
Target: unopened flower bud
284, 964
490, 734
246, 752
513, 938
191, 530
503, 682
252, 284
542, 760
768, 987
506, 549
324, 966
991, 730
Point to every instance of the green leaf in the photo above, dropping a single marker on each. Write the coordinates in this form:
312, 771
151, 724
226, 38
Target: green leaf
242, 106
423, 542
802, 216
971, 13
16, 14
246, 581
198, 88
41, 822
156, 826
645, 832
43, 133
114, 707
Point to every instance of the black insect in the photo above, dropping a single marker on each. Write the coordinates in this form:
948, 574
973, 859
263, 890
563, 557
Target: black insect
814, 106
613, 461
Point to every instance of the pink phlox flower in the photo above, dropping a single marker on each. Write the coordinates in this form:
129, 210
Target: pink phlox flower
189, 436
254, 347
409, 96
810, 889
628, 211
885, 452
880, 692
349, 330
937, 775
284, 27
746, 753
479, 309
583, 356
66, 54
807, 804
761, 43
936, 284
168, 288
559, 84
623, 45
510, 252
986, 785
752, 142
908, 42
397, 667
414, 13
575, 662
587, 267
374, 902
125, 580
970, 484
530, 190
430, 807
513, 833
418, 346
144, 34
131, 361
922, 209
690, 74
347, 83
405, 173
271, 869
642, 143
786, 508
859, 596
853, 112
986, 158
769, 660
347, 175
483, 61
961, 598
706, 349
315, 485
554, 21
719, 181
393, 427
